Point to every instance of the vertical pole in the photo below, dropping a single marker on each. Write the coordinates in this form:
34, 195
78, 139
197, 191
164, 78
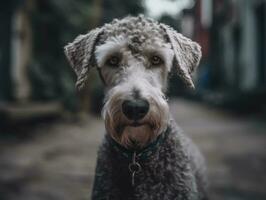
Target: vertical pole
21, 49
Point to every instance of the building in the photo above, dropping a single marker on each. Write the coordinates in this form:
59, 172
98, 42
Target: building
233, 36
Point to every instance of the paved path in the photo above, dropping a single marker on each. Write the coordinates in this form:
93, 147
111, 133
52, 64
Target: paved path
57, 161
234, 146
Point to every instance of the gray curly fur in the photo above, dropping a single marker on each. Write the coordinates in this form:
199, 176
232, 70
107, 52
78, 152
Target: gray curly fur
137, 29
175, 171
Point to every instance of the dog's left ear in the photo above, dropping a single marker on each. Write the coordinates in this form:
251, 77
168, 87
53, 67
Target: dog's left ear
187, 54
80, 53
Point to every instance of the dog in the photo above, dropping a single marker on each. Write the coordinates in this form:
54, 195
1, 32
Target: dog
144, 155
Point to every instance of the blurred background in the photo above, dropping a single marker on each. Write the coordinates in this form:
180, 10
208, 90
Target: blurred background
49, 132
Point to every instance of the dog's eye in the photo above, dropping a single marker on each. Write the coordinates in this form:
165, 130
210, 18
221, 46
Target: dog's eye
156, 60
113, 61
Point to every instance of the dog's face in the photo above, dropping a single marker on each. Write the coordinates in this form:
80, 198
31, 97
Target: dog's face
134, 56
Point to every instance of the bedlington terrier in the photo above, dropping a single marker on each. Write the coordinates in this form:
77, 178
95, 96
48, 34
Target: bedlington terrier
144, 155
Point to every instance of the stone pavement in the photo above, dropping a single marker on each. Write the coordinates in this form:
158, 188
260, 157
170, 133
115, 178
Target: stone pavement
57, 161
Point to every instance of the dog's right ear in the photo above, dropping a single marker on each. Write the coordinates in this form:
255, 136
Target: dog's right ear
79, 54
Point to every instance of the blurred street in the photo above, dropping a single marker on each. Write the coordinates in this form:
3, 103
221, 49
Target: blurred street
57, 161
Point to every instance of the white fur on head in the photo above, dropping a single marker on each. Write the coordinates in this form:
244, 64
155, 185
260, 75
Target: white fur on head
113, 45
119, 45
79, 54
187, 54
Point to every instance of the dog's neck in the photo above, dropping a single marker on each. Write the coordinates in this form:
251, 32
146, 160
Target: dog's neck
142, 153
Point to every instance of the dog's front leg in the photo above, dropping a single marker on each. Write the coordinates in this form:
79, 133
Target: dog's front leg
112, 178
102, 187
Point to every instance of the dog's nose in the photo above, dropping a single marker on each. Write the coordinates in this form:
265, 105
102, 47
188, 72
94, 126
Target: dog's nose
135, 109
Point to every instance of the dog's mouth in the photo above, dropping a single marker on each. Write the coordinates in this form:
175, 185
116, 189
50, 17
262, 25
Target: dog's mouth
135, 124
136, 135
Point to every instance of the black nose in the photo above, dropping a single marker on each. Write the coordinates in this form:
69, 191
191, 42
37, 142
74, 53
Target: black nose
135, 109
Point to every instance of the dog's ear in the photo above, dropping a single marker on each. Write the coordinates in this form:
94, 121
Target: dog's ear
187, 54
80, 53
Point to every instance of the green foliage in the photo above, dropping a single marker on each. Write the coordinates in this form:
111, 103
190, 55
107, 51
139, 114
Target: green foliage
54, 24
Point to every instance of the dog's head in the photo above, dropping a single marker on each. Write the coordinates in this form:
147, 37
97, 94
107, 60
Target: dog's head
134, 56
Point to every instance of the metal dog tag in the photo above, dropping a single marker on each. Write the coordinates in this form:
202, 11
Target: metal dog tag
134, 168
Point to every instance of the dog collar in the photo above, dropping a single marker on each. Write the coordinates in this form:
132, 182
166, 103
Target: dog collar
143, 153
137, 155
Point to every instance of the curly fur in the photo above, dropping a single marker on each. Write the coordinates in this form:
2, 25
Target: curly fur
175, 170
137, 30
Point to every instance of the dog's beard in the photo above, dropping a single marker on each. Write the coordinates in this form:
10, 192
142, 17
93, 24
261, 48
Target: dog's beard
130, 134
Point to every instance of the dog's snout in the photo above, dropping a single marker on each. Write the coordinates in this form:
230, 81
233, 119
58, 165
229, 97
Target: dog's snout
135, 109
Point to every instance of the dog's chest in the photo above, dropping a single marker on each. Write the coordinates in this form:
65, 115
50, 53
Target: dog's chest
159, 172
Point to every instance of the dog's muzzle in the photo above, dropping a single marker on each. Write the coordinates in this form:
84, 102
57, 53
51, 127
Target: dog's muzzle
135, 109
